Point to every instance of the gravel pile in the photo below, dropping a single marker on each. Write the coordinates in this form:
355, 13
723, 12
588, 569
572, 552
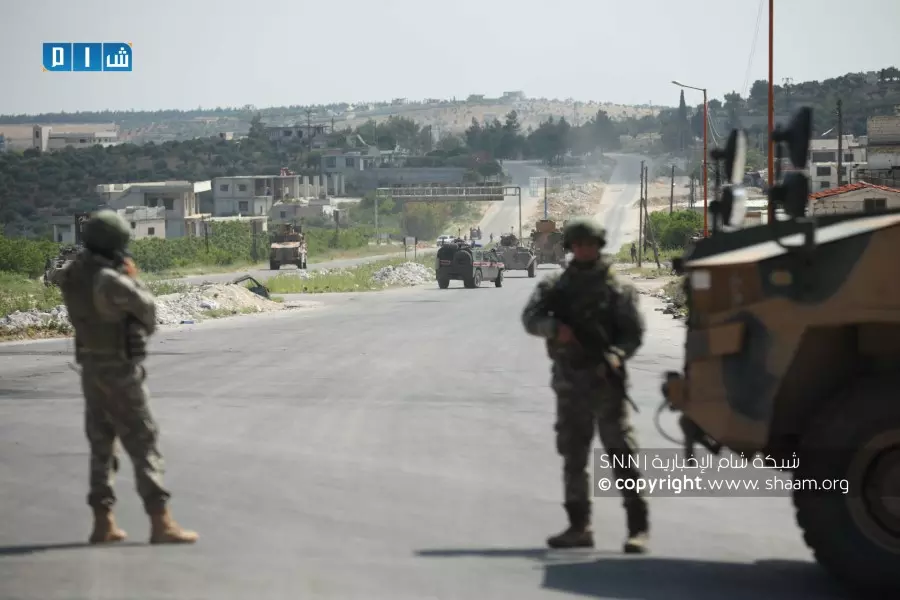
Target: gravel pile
171, 309
57, 317
574, 201
408, 273
673, 306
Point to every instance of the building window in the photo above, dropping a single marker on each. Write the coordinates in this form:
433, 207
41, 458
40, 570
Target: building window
823, 185
848, 157
874, 204
243, 206
287, 133
133, 225
169, 203
819, 157
82, 141
223, 187
823, 171
242, 187
330, 162
151, 201
151, 231
284, 214
351, 163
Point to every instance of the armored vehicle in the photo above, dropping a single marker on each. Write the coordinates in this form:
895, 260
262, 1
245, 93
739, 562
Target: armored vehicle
793, 352
515, 256
547, 243
68, 252
460, 261
66, 255
475, 233
288, 248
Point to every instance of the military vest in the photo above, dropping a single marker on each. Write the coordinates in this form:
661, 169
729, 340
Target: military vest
589, 296
97, 340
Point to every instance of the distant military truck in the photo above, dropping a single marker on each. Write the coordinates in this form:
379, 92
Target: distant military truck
288, 248
547, 243
460, 261
475, 233
66, 255
515, 256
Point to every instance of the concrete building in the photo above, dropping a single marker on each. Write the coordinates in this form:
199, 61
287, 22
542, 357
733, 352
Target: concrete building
883, 135
180, 200
64, 229
45, 139
823, 161
854, 197
145, 221
314, 135
254, 195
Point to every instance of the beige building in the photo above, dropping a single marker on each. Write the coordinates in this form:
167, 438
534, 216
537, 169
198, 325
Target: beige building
145, 222
884, 143
855, 197
45, 139
180, 200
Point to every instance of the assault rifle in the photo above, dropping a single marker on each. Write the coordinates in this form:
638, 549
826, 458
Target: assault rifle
592, 338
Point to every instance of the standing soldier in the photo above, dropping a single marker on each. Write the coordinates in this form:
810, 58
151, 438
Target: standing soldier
112, 313
588, 391
633, 253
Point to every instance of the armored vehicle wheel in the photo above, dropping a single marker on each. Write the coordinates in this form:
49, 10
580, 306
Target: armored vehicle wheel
274, 265
499, 281
855, 536
531, 268
443, 283
477, 279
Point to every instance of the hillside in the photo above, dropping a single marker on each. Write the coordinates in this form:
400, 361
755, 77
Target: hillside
445, 117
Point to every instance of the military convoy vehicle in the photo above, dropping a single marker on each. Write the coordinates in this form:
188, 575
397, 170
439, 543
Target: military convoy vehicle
66, 255
459, 261
793, 352
546, 240
475, 233
288, 248
515, 256
68, 252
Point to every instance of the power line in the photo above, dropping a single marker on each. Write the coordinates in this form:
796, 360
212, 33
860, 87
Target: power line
759, 14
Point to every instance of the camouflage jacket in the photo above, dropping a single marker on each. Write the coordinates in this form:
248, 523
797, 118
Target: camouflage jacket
591, 293
111, 312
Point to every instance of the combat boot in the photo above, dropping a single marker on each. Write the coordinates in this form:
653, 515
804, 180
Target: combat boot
578, 534
164, 530
105, 529
638, 528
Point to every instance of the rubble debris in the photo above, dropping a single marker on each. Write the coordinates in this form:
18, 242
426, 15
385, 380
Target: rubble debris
408, 274
171, 309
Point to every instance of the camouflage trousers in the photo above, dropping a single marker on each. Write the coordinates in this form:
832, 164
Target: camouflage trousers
586, 402
116, 407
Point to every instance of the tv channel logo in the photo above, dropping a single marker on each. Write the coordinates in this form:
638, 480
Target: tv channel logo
88, 56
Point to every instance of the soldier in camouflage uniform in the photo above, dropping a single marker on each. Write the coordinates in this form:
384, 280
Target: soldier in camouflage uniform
587, 396
112, 313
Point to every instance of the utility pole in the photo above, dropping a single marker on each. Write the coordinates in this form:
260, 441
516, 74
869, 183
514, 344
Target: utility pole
640, 247
545, 198
672, 192
647, 229
309, 127
840, 151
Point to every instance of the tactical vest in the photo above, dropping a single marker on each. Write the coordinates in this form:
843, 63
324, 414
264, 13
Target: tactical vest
97, 340
589, 296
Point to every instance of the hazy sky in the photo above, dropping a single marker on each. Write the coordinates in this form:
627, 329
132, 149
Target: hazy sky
190, 53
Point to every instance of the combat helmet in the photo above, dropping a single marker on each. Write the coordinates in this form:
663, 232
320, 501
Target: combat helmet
583, 229
106, 232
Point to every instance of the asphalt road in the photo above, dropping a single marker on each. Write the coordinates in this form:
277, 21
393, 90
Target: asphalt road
395, 445
619, 215
502, 217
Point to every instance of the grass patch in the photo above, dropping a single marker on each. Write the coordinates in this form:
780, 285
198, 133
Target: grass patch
218, 313
18, 292
648, 272
354, 279
623, 256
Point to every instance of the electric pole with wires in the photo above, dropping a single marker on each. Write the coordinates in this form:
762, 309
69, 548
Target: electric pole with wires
839, 112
